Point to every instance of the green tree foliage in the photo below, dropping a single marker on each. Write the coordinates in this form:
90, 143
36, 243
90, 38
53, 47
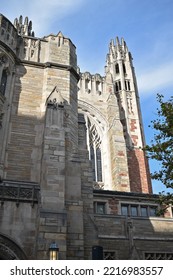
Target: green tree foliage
161, 148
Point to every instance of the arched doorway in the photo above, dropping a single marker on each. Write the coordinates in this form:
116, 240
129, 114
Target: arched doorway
9, 250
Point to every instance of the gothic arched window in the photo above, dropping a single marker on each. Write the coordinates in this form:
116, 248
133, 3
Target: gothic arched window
3, 82
94, 145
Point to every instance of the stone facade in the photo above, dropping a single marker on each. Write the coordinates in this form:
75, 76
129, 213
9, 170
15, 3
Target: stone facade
71, 158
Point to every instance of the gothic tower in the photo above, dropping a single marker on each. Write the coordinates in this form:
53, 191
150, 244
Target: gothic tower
69, 142
111, 108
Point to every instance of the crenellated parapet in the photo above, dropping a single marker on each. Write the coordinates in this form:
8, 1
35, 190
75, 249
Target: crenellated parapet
91, 84
60, 49
51, 49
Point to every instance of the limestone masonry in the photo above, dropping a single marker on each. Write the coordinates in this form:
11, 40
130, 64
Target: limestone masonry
72, 168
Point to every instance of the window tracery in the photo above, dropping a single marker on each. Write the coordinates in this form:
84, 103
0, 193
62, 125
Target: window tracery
94, 147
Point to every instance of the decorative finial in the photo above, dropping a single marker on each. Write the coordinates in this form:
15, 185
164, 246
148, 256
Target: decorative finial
24, 29
117, 41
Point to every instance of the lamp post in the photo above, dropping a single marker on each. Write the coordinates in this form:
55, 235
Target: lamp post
53, 251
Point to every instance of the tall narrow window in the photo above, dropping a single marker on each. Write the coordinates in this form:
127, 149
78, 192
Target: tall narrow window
3, 82
86, 84
118, 86
127, 85
94, 147
99, 165
124, 68
97, 85
92, 158
117, 69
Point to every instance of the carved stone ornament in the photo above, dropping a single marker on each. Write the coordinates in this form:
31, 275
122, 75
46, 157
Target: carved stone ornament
98, 185
86, 76
55, 99
18, 192
3, 58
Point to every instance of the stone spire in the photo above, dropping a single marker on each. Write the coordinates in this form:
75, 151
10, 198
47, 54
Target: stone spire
24, 28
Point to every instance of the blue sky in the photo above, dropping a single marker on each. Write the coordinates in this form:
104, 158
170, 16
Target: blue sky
146, 26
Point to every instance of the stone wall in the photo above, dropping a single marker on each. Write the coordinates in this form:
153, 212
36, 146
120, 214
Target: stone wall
19, 215
130, 237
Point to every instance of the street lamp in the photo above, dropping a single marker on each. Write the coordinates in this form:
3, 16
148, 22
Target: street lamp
53, 251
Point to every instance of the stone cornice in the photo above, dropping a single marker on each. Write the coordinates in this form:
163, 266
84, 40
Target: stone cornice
119, 194
52, 65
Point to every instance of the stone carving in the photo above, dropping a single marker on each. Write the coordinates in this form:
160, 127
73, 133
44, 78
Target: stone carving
98, 185
3, 58
129, 103
86, 76
158, 256
18, 193
55, 99
98, 78
109, 255
24, 28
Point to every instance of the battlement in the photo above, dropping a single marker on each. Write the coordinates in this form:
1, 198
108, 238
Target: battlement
90, 84
20, 38
61, 49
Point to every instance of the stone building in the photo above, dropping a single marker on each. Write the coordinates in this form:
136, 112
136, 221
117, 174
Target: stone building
71, 165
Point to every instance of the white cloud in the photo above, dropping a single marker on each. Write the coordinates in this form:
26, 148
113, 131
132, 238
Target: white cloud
43, 13
156, 79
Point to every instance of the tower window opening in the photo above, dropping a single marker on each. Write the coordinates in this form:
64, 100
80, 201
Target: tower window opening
117, 70
118, 86
124, 68
127, 85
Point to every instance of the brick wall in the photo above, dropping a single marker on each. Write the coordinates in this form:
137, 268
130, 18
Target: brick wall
139, 172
